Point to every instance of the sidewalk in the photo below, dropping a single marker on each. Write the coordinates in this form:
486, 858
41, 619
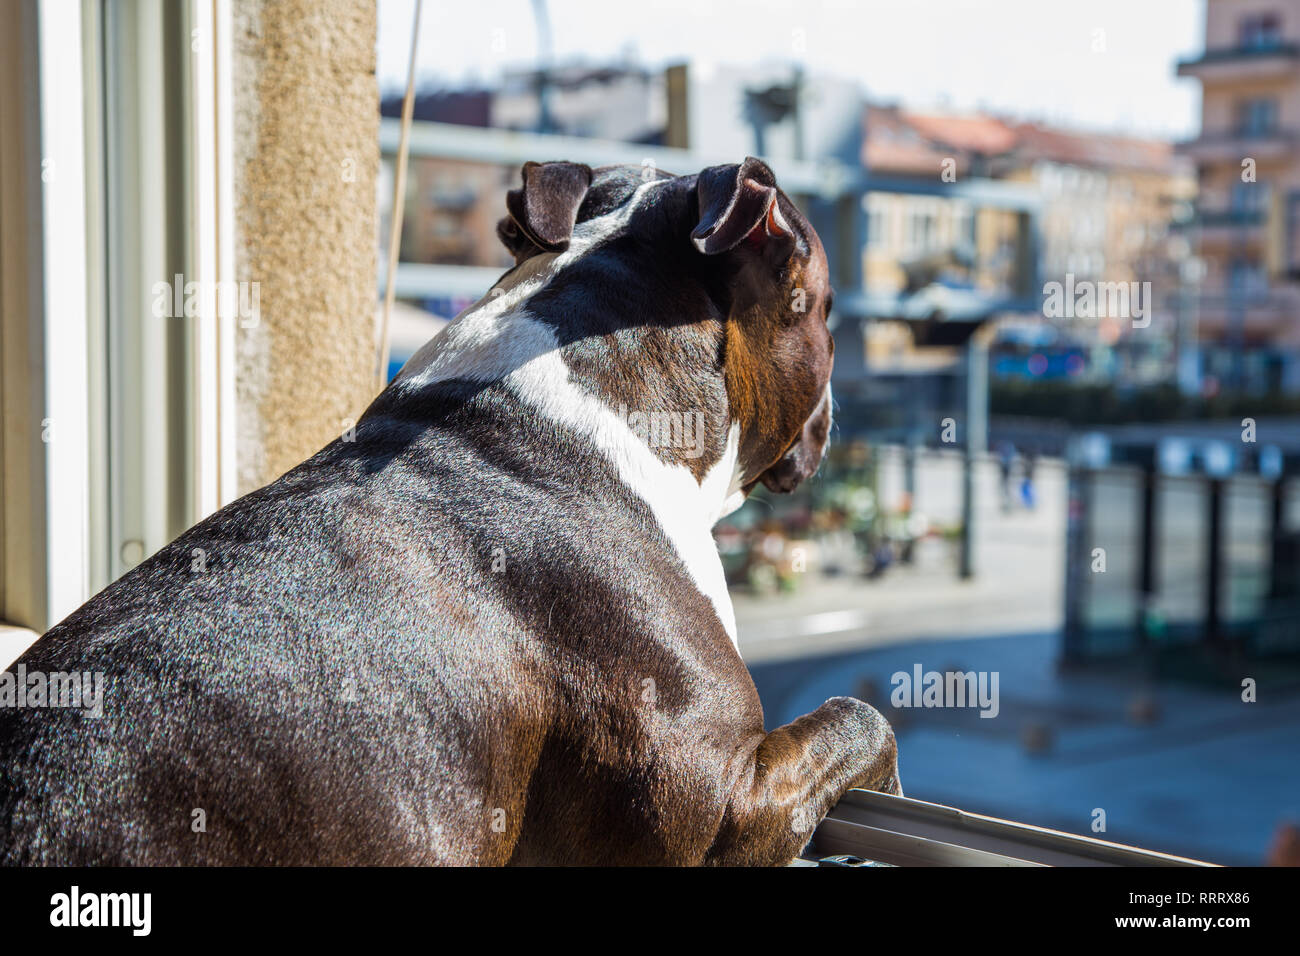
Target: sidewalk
1017, 588
13, 641
1183, 769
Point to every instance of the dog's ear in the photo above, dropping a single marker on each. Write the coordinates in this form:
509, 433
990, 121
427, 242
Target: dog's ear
544, 209
741, 204
516, 243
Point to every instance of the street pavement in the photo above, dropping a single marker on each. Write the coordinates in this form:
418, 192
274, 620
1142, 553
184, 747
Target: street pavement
1187, 769
1018, 587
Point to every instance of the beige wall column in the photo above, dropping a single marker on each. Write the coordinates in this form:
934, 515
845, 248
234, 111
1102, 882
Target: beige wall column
306, 158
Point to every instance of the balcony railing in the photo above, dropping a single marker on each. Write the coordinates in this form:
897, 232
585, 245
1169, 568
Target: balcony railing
1227, 145
1228, 218
1239, 53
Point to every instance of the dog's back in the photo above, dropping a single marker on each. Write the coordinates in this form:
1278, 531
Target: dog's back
494, 627
362, 662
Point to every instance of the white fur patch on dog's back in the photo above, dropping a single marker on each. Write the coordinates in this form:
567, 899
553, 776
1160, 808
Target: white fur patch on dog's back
497, 340
685, 509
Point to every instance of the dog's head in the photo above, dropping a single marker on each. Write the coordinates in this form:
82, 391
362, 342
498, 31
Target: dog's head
735, 270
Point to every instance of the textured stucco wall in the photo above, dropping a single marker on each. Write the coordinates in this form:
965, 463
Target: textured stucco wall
306, 107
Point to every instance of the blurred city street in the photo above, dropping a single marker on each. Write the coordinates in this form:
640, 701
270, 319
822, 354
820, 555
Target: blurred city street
1180, 768
1207, 777
1020, 561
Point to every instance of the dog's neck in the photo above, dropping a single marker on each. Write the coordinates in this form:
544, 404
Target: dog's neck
607, 384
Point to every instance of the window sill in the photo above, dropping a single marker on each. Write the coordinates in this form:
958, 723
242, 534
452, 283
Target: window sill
13, 641
901, 831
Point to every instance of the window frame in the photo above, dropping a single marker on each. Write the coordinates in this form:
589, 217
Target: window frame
138, 186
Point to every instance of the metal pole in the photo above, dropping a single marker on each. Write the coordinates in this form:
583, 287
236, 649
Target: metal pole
1077, 568
1214, 564
977, 411
1147, 552
1279, 569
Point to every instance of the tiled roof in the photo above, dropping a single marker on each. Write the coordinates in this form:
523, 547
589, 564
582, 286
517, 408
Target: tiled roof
1034, 141
902, 141
978, 134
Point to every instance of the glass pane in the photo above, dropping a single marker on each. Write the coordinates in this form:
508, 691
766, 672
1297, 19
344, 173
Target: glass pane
1111, 606
1182, 535
1247, 538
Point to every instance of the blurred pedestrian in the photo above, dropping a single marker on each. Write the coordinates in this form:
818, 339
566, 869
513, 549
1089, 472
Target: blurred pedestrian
882, 556
1027, 479
1006, 458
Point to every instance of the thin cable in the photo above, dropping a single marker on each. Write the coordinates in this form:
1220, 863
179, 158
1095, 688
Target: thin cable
399, 202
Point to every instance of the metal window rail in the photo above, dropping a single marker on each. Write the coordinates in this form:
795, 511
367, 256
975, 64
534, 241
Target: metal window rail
901, 831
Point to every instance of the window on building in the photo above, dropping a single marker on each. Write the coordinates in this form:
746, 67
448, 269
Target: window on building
1256, 116
1293, 232
1243, 197
963, 224
927, 232
1260, 31
915, 232
875, 221
1246, 277
1249, 197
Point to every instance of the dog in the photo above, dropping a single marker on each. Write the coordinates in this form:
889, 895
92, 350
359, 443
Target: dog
490, 627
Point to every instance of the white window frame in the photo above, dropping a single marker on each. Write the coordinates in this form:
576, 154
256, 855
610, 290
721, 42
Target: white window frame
44, 562
82, 100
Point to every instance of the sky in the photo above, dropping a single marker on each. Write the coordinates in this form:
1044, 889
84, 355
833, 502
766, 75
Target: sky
1104, 65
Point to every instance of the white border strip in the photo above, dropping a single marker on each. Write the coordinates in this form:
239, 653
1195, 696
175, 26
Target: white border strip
211, 204
63, 212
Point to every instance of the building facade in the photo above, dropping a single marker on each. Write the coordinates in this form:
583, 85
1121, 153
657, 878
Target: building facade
1105, 205
1111, 206
1246, 227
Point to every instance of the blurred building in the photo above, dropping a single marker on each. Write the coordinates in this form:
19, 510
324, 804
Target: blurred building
453, 207
623, 102
1110, 205
780, 113
1105, 208
954, 221
453, 204
911, 237
1246, 228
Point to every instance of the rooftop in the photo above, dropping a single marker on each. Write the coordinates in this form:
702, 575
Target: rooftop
899, 140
